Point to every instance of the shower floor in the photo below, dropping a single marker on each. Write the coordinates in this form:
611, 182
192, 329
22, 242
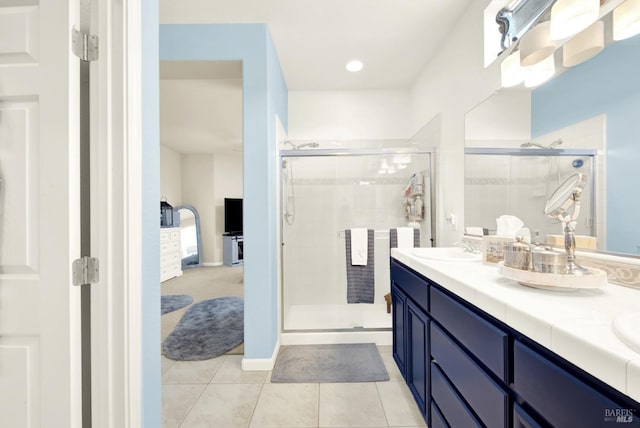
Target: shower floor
335, 317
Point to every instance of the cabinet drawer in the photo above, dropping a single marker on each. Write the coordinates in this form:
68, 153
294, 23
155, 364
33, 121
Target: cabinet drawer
483, 394
165, 235
483, 340
437, 420
170, 258
166, 247
521, 419
562, 398
414, 286
453, 408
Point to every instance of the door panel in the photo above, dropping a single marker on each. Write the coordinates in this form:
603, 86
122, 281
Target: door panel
39, 352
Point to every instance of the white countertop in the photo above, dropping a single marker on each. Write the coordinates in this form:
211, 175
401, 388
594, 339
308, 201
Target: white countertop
577, 325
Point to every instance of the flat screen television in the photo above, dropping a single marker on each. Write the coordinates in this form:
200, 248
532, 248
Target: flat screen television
233, 216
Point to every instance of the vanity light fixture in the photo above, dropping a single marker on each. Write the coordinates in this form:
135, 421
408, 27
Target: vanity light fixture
511, 72
569, 17
536, 45
541, 72
585, 45
626, 20
354, 65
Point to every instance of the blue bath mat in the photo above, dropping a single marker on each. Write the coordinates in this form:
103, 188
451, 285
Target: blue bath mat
208, 329
174, 302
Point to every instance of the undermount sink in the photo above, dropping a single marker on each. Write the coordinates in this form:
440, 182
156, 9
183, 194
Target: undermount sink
627, 328
446, 254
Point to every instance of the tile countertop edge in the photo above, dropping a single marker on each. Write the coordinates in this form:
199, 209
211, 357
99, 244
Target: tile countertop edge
585, 316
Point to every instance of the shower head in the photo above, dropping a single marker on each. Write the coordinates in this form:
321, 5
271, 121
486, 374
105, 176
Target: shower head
312, 144
540, 146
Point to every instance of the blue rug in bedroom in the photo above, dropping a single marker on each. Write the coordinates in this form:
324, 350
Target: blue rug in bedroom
173, 302
207, 329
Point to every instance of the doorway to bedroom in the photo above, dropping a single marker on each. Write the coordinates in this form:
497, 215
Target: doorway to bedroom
201, 165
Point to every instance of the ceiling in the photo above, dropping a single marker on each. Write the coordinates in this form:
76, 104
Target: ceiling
314, 39
201, 101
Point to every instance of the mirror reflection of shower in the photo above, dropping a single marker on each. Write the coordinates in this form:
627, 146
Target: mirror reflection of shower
554, 168
289, 192
553, 145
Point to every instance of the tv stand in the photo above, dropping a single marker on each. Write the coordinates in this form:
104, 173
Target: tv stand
232, 249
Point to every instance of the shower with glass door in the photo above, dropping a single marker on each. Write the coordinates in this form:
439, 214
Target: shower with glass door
325, 192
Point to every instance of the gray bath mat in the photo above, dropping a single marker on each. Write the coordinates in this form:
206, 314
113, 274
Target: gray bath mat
352, 362
208, 329
173, 302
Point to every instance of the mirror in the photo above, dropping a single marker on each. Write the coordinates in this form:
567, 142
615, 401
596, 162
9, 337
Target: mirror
564, 197
593, 106
190, 237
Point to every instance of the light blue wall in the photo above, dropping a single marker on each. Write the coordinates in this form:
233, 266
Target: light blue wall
610, 84
150, 264
264, 96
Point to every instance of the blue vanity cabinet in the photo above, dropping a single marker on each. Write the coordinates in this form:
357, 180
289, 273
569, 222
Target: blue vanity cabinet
563, 398
410, 301
478, 371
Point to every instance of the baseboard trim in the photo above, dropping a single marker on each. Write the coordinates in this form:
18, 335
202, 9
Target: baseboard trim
212, 264
261, 364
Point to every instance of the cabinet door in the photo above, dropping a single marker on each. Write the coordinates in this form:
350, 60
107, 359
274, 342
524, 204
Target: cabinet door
418, 355
399, 320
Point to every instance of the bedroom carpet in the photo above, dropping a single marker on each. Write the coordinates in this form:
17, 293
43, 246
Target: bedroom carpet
173, 302
351, 362
207, 329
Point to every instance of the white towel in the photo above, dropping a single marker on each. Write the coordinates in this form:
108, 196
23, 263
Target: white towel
405, 237
359, 246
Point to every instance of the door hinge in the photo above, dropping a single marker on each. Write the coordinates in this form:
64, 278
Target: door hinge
85, 271
85, 46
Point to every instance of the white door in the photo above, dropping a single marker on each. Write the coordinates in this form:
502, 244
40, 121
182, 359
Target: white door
39, 211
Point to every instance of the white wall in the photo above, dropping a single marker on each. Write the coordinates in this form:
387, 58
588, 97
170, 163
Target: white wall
348, 115
170, 176
451, 84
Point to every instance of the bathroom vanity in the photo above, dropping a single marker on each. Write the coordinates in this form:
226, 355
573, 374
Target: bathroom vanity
477, 349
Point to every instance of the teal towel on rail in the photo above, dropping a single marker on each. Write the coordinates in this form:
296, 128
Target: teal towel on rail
360, 279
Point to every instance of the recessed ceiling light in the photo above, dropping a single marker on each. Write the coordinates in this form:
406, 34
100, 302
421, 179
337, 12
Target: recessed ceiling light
354, 65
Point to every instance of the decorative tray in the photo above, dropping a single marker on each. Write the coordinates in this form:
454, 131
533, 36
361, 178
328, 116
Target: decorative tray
591, 278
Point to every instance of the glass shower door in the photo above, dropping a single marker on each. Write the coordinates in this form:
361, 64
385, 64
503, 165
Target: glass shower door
322, 196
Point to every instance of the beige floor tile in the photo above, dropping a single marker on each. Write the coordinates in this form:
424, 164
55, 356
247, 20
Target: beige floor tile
399, 405
165, 364
390, 364
350, 405
224, 406
287, 405
231, 372
192, 371
177, 400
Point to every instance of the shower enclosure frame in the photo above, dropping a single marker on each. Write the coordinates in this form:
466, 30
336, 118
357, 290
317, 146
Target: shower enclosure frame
284, 154
590, 153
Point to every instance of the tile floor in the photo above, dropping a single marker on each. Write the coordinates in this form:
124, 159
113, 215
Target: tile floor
217, 393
